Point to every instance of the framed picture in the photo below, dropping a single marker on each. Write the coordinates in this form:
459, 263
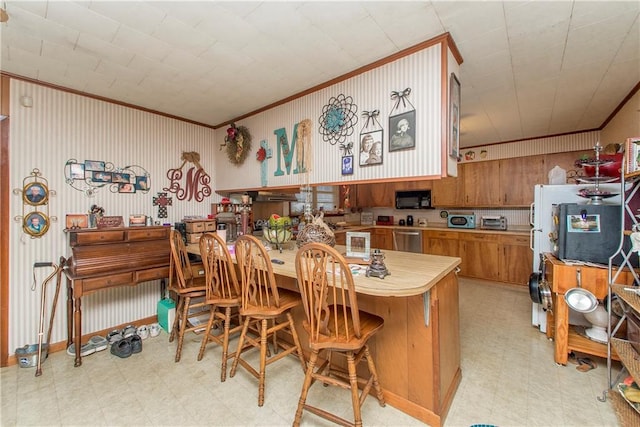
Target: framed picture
142, 183
358, 244
75, 221
403, 131
35, 194
137, 220
35, 224
454, 117
126, 187
77, 171
120, 177
93, 165
347, 165
101, 176
371, 148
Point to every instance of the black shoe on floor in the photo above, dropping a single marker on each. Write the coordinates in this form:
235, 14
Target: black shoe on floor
136, 343
121, 348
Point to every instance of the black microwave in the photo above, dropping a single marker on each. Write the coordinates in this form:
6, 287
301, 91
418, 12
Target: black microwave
417, 199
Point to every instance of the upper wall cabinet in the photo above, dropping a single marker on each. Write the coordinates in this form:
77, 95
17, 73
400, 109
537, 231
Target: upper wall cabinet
518, 177
505, 182
383, 195
482, 184
449, 191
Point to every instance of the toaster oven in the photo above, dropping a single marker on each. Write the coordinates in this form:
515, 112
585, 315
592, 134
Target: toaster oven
493, 223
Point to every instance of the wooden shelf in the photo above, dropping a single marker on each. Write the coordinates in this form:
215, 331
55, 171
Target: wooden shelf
582, 344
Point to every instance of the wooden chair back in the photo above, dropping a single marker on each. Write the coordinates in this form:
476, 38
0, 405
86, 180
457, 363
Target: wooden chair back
180, 266
257, 281
220, 272
328, 296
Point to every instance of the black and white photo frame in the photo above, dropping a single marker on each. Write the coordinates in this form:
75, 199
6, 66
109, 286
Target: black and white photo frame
402, 122
402, 131
370, 148
370, 145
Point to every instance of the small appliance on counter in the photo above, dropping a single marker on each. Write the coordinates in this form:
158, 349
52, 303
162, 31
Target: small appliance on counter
461, 220
366, 218
384, 220
493, 222
410, 220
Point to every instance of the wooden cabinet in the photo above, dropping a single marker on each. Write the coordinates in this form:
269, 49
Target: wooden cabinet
440, 243
376, 195
341, 238
518, 177
379, 194
482, 184
382, 238
448, 191
480, 254
515, 260
506, 182
561, 278
107, 258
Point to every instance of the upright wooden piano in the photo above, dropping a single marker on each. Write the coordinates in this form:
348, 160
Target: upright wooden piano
110, 257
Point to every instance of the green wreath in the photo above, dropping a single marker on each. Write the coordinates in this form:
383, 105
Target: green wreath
238, 142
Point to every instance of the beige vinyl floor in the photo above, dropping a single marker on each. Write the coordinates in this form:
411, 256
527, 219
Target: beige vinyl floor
509, 378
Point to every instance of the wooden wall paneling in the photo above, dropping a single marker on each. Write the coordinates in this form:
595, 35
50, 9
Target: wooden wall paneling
566, 161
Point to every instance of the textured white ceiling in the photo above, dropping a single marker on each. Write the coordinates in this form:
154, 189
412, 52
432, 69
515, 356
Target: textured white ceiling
531, 68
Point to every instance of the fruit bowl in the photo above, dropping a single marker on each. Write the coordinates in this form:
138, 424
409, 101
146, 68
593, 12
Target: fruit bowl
277, 230
609, 165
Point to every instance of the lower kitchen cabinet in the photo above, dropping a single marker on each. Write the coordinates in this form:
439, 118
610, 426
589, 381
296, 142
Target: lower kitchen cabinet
515, 260
480, 254
382, 238
440, 243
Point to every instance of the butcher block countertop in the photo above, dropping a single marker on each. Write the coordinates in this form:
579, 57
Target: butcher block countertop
410, 273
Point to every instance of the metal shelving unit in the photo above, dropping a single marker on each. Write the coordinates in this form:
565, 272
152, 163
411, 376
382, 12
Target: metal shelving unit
630, 302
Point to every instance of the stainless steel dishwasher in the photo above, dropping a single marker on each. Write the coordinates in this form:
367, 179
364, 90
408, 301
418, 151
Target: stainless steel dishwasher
407, 241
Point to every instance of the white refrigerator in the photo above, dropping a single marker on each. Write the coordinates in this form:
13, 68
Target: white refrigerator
541, 219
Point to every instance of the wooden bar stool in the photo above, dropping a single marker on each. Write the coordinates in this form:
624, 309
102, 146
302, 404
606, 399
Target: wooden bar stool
223, 295
265, 306
187, 281
336, 326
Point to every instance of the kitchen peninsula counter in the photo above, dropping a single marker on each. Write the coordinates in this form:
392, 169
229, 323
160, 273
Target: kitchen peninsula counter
512, 231
417, 352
